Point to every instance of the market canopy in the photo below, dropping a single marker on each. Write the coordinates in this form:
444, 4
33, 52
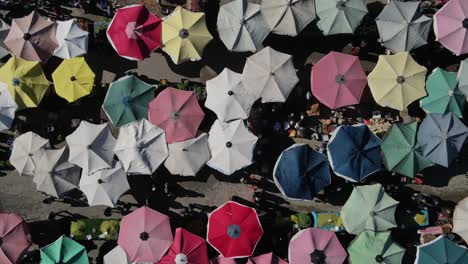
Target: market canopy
27, 151
441, 250
375, 247
451, 26
64, 250
187, 157
267, 258
7, 108
73, 79
72, 40
460, 219
4, 29
186, 248
15, 238
340, 16
462, 77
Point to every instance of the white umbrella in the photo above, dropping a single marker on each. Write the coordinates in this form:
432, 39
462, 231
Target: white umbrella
460, 219
117, 256
4, 29
231, 145
72, 40
187, 157
104, 187
269, 74
27, 151
7, 107
91, 147
227, 97
141, 147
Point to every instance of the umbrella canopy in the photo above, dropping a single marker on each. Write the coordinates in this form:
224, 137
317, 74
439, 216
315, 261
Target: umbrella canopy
7, 107
354, 152
375, 247
4, 29
397, 81
231, 146
26, 81
145, 235
187, 157
241, 26
32, 37
451, 26
91, 147
227, 96
401, 153
64, 250
116, 256
268, 258
313, 245
185, 35
338, 80
234, 230
443, 95
463, 77
442, 137
369, 208
301, 172
141, 147
339, 16
72, 40
287, 17
27, 151
73, 79
14, 237
269, 74
187, 248
460, 218
134, 32
402, 27
441, 250
177, 112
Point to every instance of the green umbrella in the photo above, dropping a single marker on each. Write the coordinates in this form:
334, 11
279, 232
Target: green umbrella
65, 251
441, 250
339, 16
443, 95
375, 247
127, 100
401, 153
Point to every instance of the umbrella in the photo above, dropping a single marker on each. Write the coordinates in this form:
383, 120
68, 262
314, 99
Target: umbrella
185, 35
73, 79
91, 147
375, 247
288, 17
7, 108
231, 146
222, 260
451, 26
269, 74
27, 151
397, 81
227, 96
338, 80
301, 172
402, 27
187, 157
441, 250
187, 248
241, 26
4, 29
32, 38
460, 218
116, 256
177, 112
368, 208
234, 230
339, 16
64, 250
463, 77
26, 81
127, 100
141, 147
14, 237
354, 152
442, 137
72, 40
313, 245
268, 258
134, 32
145, 235
401, 153
443, 95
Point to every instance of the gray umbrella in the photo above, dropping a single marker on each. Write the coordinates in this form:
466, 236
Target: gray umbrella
402, 27
4, 29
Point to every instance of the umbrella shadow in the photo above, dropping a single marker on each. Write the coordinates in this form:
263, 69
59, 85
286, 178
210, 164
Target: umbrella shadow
105, 248
104, 58
439, 176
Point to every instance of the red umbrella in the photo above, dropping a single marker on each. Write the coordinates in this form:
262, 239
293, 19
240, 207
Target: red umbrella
14, 237
134, 32
186, 249
234, 230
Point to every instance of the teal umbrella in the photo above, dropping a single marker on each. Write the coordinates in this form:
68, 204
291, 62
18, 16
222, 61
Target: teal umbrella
127, 100
65, 251
375, 247
441, 250
340, 16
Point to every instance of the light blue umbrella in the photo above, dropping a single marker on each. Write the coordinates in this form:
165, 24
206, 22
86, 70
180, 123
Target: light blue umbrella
441, 250
339, 16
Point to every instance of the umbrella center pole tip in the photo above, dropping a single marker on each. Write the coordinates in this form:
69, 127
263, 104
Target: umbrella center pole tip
340, 79
181, 259
317, 257
1, 241
379, 258
16, 82
72, 78
465, 23
228, 144
230, 93
144, 236
400, 79
27, 36
234, 231
183, 33
174, 115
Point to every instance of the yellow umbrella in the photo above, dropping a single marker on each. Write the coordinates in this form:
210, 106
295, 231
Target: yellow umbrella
185, 35
73, 79
26, 81
397, 81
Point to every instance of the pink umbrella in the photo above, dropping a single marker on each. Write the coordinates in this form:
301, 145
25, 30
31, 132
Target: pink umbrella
338, 80
145, 235
451, 26
14, 237
222, 260
268, 258
314, 245
32, 38
186, 249
177, 112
